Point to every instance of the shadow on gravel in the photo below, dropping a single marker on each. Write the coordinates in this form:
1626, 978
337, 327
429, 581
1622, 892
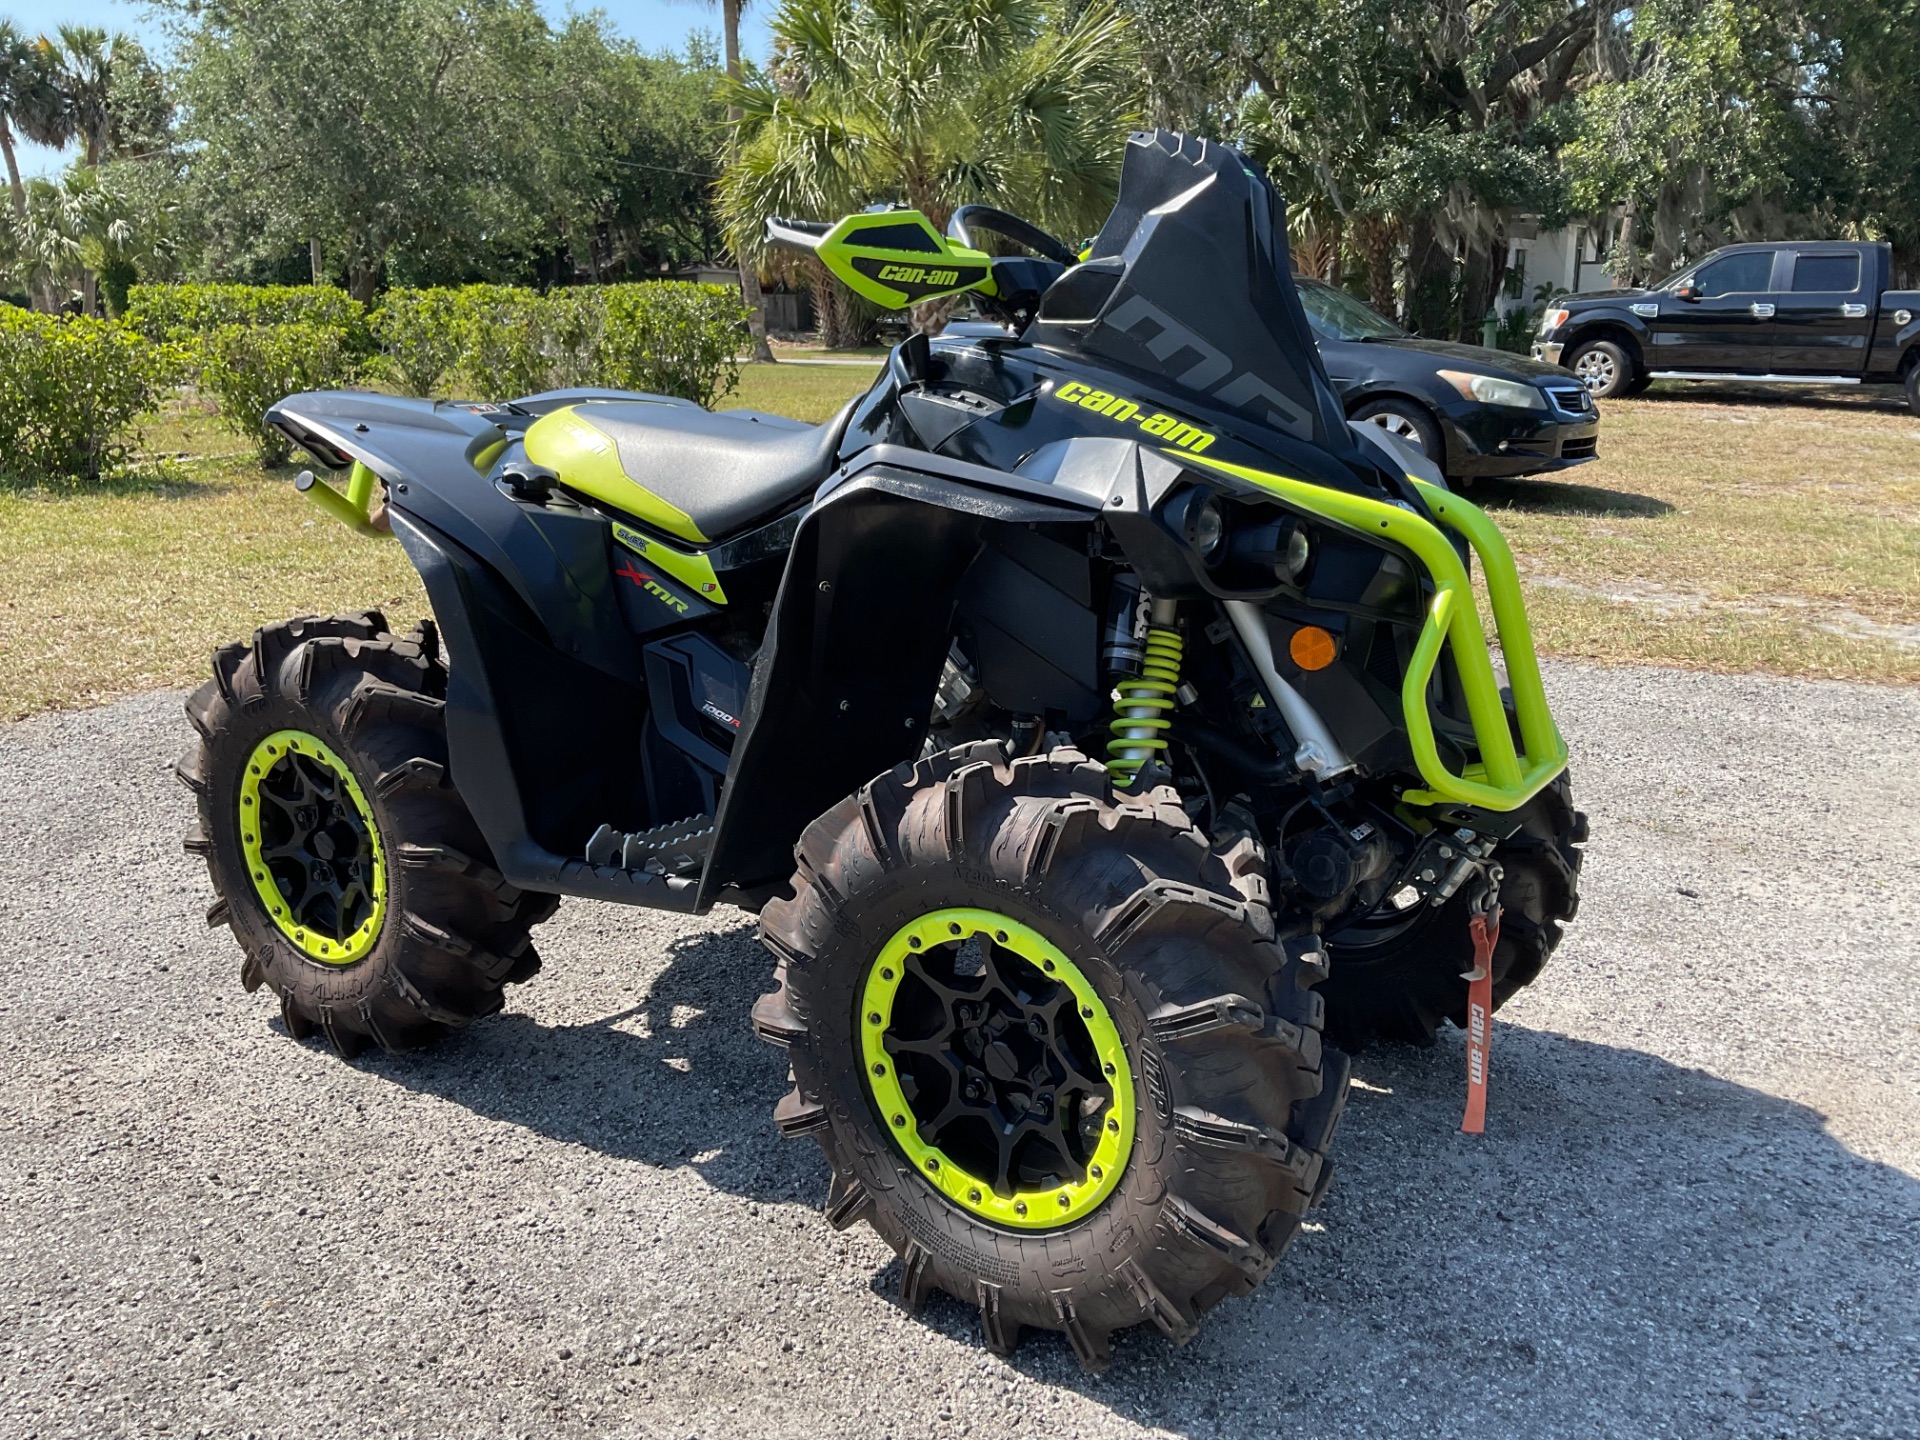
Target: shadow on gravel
1632, 1243
1630, 1238
677, 1078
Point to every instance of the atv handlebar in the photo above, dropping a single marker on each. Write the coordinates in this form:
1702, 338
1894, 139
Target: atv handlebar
797, 234
985, 217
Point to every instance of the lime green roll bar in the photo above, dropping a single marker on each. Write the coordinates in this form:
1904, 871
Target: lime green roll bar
1504, 779
353, 509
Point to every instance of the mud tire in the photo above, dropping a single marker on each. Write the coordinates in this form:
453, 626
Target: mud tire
1405, 989
455, 932
1235, 1113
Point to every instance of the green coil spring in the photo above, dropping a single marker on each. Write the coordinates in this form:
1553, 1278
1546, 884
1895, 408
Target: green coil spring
1141, 712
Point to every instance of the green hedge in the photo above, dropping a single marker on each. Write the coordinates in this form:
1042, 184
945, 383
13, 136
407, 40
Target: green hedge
499, 341
671, 338
248, 368
184, 312
70, 389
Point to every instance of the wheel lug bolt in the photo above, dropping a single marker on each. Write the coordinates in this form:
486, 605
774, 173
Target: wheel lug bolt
1036, 1027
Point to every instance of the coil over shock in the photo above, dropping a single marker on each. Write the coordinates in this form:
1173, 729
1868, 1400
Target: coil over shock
1145, 648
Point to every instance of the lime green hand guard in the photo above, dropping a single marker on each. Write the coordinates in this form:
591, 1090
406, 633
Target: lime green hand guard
894, 258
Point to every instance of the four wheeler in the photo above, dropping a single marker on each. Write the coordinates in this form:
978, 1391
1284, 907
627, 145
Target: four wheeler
1104, 732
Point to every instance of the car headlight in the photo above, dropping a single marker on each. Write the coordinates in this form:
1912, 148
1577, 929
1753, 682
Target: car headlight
1491, 390
1553, 319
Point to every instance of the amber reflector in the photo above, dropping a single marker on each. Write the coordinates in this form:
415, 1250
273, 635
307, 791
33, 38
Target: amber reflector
1312, 648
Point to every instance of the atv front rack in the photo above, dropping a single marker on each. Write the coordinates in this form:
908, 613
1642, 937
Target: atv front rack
1504, 779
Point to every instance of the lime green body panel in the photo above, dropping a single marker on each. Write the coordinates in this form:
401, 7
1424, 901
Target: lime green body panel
1024, 1210
692, 567
1506, 777
896, 258
327, 949
588, 461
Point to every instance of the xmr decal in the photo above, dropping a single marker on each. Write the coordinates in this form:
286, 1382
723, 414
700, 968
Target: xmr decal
1168, 428
626, 570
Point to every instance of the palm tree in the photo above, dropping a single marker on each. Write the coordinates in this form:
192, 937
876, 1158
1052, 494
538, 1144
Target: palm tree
937, 103
29, 102
84, 59
749, 271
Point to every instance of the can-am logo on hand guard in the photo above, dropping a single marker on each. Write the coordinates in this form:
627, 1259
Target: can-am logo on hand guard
1169, 428
919, 275
1164, 338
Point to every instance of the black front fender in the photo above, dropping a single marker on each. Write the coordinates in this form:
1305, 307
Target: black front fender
844, 682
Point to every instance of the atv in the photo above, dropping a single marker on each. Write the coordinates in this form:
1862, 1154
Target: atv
1104, 732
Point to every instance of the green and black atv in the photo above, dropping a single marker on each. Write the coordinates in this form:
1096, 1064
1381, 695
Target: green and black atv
1105, 733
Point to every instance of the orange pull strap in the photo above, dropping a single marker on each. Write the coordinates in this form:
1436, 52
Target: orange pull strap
1485, 928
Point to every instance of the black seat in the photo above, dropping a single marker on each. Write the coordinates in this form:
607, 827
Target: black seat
725, 470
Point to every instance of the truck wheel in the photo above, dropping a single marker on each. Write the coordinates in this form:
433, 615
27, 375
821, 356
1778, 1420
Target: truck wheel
1604, 368
1398, 978
1051, 1044
1913, 386
342, 858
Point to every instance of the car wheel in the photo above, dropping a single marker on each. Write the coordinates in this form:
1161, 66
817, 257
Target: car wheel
1913, 387
1410, 423
1604, 368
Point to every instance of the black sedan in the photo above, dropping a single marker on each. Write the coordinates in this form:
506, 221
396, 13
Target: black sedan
1475, 412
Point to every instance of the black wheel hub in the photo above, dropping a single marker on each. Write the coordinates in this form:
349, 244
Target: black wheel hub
317, 846
998, 1066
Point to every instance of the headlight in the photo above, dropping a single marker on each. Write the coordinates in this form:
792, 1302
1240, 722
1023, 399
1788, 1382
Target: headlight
1197, 518
1294, 553
1491, 390
1553, 320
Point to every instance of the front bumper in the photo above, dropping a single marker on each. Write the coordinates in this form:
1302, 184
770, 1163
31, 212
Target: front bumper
1548, 351
1488, 442
1506, 775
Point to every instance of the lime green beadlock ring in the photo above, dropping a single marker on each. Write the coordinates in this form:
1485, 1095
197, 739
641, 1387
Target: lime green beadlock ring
997, 1069
311, 847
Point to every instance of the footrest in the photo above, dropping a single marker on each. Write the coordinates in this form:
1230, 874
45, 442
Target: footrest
676, 849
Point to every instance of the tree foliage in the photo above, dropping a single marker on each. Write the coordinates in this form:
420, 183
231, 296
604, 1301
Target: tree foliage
934, 103
1414, 130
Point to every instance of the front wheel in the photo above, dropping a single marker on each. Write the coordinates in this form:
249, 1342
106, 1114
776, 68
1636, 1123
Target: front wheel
1399, 977
1406, 421
1051, 1044
1605, 368
1913, 387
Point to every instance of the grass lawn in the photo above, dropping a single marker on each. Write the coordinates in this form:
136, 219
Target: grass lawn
1733, 529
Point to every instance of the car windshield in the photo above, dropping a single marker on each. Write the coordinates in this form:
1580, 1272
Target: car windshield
1335, 315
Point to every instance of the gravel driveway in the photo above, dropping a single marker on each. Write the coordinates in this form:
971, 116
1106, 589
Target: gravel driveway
1696, 1212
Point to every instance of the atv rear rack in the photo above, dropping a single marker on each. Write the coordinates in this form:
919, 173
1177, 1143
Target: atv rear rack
1505, 779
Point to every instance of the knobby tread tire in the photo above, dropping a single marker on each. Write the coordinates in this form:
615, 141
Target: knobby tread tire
455, 931
1237, 1099
1405, 990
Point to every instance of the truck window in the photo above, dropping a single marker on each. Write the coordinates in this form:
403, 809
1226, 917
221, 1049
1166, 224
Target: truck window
1744, 274
1826, 274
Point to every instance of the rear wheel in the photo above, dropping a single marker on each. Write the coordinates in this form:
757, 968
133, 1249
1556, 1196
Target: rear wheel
1051, 1045
343, 860
1605, 368
1399, 979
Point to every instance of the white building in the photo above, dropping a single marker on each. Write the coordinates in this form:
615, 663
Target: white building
1570, 259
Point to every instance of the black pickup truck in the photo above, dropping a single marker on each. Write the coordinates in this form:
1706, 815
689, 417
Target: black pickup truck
1797, 312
